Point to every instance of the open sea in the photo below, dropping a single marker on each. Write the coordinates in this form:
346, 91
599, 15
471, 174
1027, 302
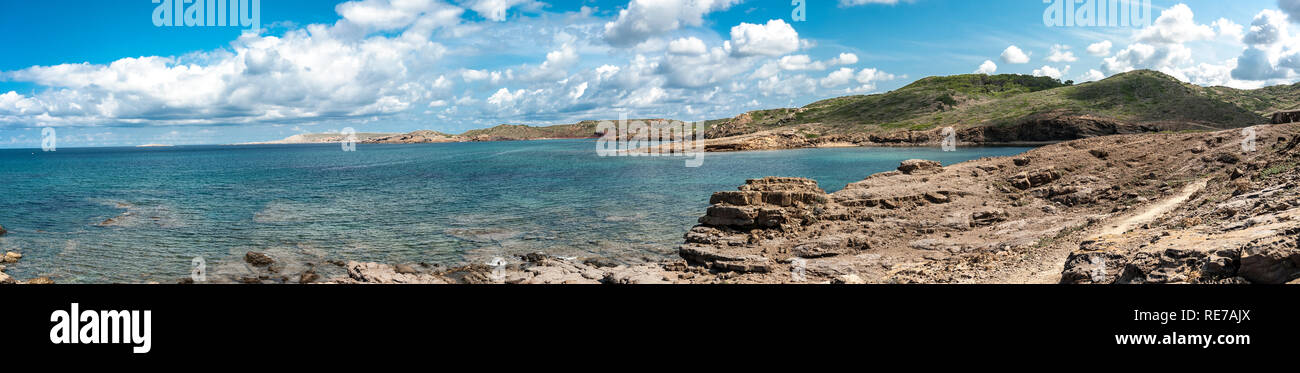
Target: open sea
135, 215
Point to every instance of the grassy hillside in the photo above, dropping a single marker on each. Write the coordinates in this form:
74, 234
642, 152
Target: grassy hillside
923, 97
521, 132
1134, 97
1264, 100
583, 129
982, 100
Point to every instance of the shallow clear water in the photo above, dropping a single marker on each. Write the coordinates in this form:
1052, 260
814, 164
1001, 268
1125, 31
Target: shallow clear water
433, 203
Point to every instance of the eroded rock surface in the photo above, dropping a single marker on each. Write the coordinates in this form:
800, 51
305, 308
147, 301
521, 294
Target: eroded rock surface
1132, 202
529, 269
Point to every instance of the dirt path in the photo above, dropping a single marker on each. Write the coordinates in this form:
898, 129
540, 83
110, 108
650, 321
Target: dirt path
1154, 211
1047, 267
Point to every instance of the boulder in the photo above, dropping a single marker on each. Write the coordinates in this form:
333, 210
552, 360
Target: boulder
599, 262
1027, 180
937, 197
1270, 265
308, 276
12, 257
258, 259
637, 275
40, 281
1283, 117
913, 166
849, 279
3, 231
405, 269
1228, 158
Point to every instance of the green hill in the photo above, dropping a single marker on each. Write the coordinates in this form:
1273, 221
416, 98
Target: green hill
1138, 97
580, 130
583, 129
1148, 99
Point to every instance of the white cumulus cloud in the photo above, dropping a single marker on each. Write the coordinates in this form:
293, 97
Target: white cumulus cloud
772, 39
643, 19
1175, 25
1100, 49
1014, 55
1061, 53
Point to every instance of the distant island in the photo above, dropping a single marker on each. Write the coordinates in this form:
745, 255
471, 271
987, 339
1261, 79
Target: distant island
983, 109
505, 132
154, 146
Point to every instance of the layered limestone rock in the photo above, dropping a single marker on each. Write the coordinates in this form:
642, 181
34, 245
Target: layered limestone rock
1134, 204
761, 207
1242, 226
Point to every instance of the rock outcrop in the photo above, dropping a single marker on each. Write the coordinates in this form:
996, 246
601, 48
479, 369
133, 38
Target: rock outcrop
1283, 117
1130, 204
1242, 227
1037, 129
768, 206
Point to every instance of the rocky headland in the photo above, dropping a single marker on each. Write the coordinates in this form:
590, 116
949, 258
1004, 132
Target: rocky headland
1153, 208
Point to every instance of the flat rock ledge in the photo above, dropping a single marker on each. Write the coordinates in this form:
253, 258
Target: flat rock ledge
1144, 208
531, 269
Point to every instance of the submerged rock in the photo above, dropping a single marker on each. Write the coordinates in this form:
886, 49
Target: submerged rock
258, 259
308, 276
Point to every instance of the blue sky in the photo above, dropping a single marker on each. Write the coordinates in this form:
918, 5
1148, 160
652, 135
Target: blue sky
103, 74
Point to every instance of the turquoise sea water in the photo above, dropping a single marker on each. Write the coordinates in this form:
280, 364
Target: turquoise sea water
433, 203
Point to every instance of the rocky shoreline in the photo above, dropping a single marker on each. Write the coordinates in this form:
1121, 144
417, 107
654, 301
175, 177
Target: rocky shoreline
1136, 208
1037, 130
11, 257
1149, 208
1146, 208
